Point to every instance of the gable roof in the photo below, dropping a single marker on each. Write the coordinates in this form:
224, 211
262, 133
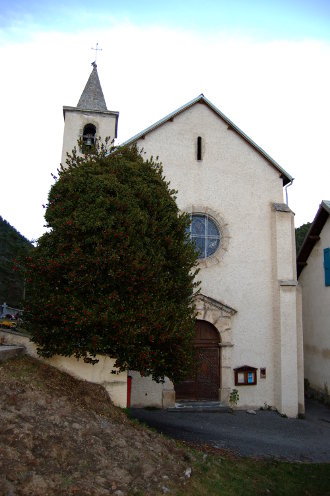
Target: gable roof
92, 97
202, 99
313, 235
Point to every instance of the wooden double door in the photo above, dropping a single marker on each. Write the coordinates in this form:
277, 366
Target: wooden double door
204, 383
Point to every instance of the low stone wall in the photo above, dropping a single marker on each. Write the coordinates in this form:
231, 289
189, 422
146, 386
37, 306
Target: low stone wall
100, 373
147, 393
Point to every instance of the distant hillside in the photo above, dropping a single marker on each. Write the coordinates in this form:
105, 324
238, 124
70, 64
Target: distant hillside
300, 234
12, 246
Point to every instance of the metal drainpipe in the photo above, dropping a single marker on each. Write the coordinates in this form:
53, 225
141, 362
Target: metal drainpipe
286, 191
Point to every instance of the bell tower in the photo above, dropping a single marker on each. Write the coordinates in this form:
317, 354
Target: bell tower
90, 119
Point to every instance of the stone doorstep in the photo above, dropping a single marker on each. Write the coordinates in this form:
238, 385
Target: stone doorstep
10, 351
200, 406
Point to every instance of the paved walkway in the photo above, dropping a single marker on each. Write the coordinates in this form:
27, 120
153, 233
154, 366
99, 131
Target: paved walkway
10, 351
265, 434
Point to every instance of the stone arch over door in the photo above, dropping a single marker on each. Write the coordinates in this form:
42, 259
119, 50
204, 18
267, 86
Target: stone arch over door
219, 315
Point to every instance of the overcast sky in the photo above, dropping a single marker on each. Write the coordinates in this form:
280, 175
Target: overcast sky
265, 64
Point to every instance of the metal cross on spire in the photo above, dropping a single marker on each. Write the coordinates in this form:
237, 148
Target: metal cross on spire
97, 49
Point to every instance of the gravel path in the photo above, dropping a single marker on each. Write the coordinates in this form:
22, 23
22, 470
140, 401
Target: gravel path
265, 434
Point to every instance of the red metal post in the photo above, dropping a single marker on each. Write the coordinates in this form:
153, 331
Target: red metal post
129, 389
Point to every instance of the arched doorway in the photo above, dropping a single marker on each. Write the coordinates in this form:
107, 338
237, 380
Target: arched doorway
204, 383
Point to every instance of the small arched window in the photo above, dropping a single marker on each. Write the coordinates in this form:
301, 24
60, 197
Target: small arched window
89, 135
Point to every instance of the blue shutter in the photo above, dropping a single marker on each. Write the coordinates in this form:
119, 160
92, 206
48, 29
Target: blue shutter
326, 253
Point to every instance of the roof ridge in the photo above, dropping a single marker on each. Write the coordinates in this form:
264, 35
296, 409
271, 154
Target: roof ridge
287, 178
312, 235
326, 204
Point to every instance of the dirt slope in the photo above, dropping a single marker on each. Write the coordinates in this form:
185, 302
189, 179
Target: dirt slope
60, 436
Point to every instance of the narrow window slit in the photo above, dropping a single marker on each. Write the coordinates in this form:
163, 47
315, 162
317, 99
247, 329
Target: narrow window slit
199, 148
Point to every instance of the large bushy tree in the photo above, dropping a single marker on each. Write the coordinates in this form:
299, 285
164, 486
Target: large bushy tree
115, 272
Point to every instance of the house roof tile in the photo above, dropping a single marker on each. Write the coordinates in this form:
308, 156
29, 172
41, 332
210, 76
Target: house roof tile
313, 235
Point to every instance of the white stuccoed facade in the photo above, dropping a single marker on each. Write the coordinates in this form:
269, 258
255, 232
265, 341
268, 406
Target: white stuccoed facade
316, 314
75, 121
248, 286
254, 270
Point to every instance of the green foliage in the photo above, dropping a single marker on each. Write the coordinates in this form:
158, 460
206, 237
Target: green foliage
115, 273
300, 235
12, 247
234, 397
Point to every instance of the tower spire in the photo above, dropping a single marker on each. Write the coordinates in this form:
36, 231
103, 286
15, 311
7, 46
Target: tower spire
92, 97
90, 119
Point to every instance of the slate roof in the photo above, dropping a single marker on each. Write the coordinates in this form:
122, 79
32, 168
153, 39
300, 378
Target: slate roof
281, 207
313, 235
92, 97
202, 99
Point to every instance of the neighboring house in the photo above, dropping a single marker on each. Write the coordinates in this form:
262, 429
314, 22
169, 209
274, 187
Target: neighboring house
248, 328
313, 268
5, 310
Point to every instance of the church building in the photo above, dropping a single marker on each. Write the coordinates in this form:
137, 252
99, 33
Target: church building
249, 326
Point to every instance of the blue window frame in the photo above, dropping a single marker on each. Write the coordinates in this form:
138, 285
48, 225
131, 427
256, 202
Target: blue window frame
326, 253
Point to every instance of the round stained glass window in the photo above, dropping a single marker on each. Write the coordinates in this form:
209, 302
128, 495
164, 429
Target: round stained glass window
205, 235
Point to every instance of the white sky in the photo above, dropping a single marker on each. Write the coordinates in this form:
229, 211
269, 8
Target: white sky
275, 88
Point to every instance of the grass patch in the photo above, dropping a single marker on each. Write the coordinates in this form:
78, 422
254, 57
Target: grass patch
228, 476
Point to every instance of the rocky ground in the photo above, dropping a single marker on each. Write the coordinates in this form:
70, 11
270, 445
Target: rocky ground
60, 436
